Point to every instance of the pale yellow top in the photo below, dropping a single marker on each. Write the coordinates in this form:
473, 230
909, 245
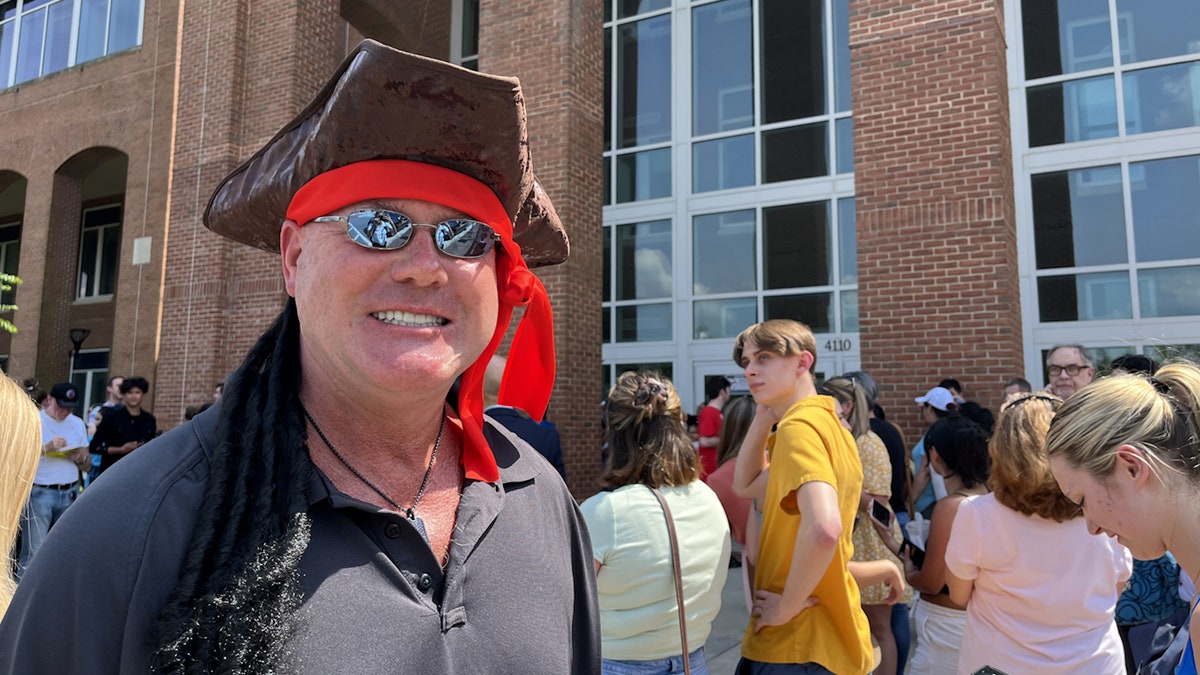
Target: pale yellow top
639, 619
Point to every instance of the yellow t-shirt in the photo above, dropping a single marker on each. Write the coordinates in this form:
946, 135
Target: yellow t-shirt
809, 444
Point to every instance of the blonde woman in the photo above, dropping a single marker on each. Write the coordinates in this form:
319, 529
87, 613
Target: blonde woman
1126, 449
1039, 590
868, 543
649, 450
20, 447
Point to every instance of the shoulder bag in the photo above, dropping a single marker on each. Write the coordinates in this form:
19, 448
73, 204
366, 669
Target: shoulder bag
687, 666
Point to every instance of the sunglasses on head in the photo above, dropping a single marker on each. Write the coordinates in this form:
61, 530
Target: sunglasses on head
391, 230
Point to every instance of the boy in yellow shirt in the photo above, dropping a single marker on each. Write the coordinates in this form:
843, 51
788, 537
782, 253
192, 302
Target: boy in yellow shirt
806, 616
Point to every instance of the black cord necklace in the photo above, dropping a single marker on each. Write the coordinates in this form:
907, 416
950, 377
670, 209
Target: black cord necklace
410, 512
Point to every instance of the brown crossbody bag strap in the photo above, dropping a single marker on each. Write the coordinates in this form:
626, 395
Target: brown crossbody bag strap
687, 666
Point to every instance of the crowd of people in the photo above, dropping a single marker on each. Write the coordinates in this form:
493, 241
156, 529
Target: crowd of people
368, 496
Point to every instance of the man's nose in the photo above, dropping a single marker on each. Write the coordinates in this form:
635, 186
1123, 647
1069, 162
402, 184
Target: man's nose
419, 261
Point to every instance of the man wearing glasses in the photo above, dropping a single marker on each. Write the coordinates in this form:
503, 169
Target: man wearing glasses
332, 513
1069, 368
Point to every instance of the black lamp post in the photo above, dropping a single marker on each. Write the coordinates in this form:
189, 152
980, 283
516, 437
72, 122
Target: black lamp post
78, 335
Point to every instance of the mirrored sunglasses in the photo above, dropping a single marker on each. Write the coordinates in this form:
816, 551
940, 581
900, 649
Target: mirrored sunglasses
391, 230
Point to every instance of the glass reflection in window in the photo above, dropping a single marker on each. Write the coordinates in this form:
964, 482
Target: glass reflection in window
1157, 99
644, 175
1078, 217
723, 253
644, 323
1158, 29
723, 318
722, 67
849, 311
643, 259
1085, 297
1171, 291
644, 82
847, 243
1065, 36
1077, 110
723, 163
1165, 194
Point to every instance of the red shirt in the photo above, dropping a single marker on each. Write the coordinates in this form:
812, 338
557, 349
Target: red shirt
710, 425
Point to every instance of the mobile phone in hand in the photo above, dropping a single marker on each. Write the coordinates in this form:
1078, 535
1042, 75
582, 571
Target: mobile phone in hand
914, 553
881, 513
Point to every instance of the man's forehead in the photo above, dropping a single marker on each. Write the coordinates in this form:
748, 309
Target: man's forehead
1066, 355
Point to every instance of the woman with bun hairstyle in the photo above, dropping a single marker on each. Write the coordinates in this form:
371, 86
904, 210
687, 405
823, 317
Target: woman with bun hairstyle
1039, 589
1126, 450
649, 451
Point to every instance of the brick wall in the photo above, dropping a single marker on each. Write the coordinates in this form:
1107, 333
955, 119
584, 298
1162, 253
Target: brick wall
246, 69
58, 130
556, 49
938, 288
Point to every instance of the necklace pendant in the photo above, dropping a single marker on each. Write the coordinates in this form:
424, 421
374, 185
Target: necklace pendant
420, 525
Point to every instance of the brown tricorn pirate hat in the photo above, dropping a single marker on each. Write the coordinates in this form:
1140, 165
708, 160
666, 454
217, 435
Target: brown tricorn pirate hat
383, 103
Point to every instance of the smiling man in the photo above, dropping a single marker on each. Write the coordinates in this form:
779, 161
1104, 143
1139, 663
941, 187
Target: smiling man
332, 513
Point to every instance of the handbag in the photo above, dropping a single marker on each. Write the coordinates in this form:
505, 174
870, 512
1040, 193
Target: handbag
687, 666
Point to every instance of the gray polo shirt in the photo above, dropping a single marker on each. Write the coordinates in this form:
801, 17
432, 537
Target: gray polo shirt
517, 596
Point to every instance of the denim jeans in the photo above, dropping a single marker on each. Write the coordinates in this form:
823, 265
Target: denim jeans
903, 634
42, 511
673, 664
748, 667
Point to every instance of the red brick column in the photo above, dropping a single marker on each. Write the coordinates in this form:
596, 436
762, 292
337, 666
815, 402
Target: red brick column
556, 48
938, 286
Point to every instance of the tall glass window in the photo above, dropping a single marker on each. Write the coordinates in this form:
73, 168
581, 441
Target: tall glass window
99, 251
728, 178
39, 37
10, 256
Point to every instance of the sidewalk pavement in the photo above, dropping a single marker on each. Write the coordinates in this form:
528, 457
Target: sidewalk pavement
724, 646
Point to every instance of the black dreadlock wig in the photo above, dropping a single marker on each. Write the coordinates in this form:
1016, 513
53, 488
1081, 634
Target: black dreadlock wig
232, 609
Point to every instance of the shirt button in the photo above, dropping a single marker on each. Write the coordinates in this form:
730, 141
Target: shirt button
424, 582
392, 530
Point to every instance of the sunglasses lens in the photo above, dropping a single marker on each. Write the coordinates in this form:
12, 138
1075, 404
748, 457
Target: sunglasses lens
464, 238
389, 230
379, 229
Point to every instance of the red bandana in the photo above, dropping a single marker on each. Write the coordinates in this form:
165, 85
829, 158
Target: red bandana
531, 357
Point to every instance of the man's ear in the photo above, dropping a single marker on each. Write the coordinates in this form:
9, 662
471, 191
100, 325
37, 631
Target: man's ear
289, 250
1133, 463
806, 361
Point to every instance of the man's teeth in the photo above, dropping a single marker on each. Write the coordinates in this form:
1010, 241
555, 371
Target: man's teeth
409, 319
